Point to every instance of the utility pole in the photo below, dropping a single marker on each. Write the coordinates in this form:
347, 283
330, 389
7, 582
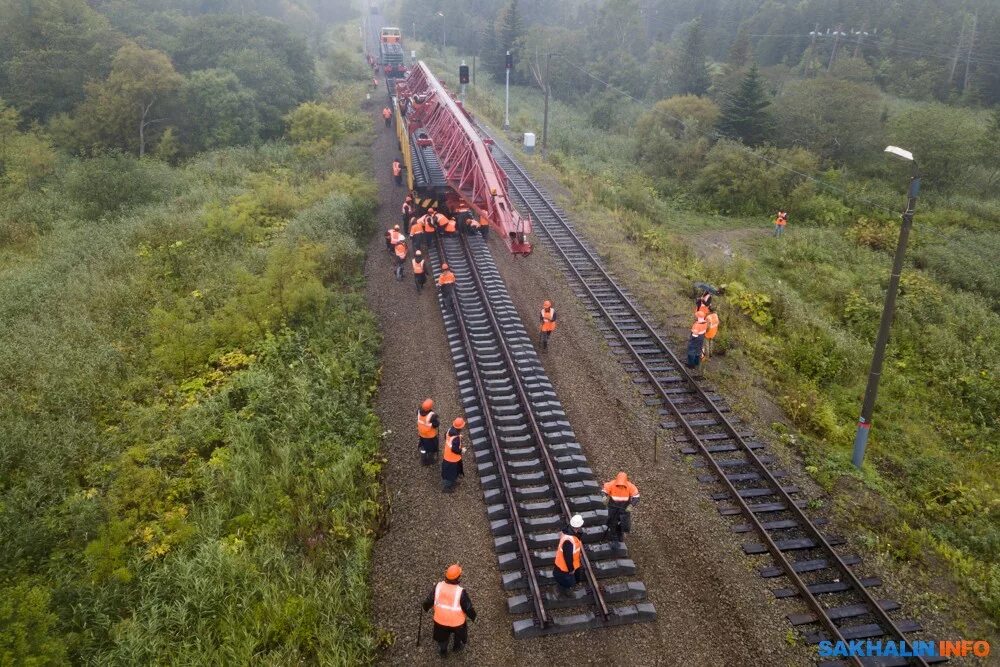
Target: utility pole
812, 51
545, 117
958, 52
836, 43
473, 71
888, 312
508, 62
968, 55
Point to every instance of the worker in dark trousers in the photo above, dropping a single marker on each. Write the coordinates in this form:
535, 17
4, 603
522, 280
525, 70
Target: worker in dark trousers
417, 233
484, 226
407, 210
696, 342
387, 116
620, 495
452, 609
397, 171
567, 567
451, 460
419, 270
446, 282
428, 424
400, 260
547, 323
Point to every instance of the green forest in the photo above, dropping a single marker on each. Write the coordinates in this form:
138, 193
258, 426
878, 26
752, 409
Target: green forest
189, 460
679, 128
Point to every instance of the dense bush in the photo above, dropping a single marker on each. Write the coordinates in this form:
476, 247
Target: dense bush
113, 181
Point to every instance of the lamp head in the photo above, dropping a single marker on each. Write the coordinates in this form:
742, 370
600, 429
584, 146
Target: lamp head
896, 150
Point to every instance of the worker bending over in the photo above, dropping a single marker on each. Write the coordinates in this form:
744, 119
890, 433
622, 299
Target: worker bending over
547, 323
427, 432
567, 567
417, 234
397, 171
621, 496
419, 270
446, 282
451, 461
452, 607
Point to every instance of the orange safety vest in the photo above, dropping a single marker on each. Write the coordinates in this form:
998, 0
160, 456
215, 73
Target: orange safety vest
416, 227
702, 310
781, 220
560, 561
395, 236
484, 221
424, 427
401, 250
449, 225
450, 456
446, 278
699, 328
713, 325
386, 113
619, 493
549, 319
428, 223
418, 266
396, 168
448, 605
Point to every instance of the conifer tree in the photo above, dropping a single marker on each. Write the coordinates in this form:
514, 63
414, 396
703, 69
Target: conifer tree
692, 72
744, 113
739, 52
509, 32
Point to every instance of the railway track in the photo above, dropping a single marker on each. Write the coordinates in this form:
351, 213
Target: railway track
530, 466
839, 602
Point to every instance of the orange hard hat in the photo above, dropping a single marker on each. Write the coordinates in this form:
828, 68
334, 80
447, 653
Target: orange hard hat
428, 403
621, 479
453, 572
444, 266
458, 423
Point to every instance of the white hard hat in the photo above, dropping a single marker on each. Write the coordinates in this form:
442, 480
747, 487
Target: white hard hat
576, 521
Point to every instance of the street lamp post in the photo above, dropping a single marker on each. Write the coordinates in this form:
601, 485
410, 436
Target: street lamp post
506, 100
888, 311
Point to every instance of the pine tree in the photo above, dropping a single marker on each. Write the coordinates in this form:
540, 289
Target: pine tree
744, 114
739, 52
489, 51
692, 72
509, 32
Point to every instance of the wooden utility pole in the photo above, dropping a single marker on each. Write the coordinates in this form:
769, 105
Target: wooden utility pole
968, 55
836, 43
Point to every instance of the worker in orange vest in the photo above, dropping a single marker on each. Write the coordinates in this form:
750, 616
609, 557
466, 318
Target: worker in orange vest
392, 237
712, 320
407, 209
451, 461
397, 171
428, 424
621, 496
400, 251
417, 233
696, 341
387, 115
448, 225
484, 226
430, 225
419, 270
452, 607
567, 567
547, 323
374, 83
446, 281
780, 222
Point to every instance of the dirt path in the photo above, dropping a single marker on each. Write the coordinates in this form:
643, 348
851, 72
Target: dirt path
711, 606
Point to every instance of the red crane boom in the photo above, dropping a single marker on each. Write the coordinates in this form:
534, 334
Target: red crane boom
464, 155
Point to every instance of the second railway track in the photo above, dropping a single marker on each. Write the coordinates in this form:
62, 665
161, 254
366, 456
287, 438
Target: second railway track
839, 602
532, 469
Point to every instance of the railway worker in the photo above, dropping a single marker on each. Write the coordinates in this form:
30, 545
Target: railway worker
452, 607
392, 237
451, 461
484, 225
430, 223
407, 210
547, 323
446, 281
387, 116
428, 424
712, 319
397, 171
400, 260
567, 567
374, 83
621, 496
780, 222
417, 233
419, 270
448, 225
696, 341
472, 224
462, 215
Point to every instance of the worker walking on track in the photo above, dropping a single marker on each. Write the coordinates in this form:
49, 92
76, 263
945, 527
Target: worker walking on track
419, 270
392, 237
780, 222
400, 251
446, 282
712, 319
387, 115
547, 323
621, 496
696, 342
428, 424
417, 233
452, 608
397, 171
567, 567
407, 210
451, 460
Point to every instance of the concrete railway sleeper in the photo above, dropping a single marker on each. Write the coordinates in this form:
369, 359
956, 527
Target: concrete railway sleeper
530, 466
804, 555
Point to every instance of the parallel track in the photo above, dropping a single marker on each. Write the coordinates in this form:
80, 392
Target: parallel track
802, 553
530, 466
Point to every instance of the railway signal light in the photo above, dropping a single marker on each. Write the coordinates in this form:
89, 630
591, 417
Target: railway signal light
463, 73
509, 61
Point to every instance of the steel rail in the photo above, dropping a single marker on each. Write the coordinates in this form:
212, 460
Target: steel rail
522, 394
885, 621
540, 613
